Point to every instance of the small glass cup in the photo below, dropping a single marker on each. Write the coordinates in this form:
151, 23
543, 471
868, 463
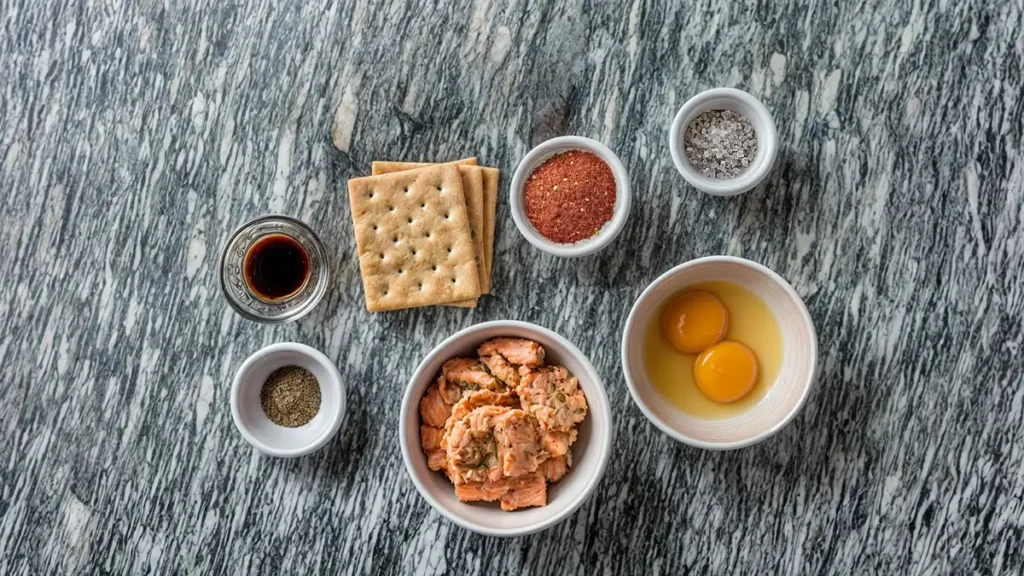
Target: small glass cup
232, 271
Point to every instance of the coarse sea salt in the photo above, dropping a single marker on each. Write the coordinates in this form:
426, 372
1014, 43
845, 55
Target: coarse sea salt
720, 144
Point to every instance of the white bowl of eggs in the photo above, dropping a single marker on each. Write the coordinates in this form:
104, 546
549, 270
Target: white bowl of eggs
719, 352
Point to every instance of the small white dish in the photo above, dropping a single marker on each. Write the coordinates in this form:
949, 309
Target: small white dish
742, 103
272, 439
540, 154
796, 374
590, 452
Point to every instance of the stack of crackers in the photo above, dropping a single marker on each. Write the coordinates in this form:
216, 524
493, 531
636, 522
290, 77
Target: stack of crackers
425, 233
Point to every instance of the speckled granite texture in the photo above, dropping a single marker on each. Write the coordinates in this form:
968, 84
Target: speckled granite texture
136, 136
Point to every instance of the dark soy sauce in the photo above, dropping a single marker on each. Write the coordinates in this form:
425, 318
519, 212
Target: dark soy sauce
276, 267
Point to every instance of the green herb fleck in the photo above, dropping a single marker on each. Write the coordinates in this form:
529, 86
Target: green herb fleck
467, 386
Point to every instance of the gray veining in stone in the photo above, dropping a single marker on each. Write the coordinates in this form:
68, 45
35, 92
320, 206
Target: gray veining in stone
136, 135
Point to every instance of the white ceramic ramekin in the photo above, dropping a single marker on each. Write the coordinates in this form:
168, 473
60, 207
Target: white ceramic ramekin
796, 374
590, 452
742, 103
256, 427
533, 160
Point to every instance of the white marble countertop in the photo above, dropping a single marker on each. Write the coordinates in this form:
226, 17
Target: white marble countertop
136, 136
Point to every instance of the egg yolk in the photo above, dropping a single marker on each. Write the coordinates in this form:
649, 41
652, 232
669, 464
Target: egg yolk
726, 371
694, 321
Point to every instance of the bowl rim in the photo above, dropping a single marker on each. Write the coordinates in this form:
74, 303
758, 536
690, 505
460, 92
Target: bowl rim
627, 333
762, 119
605, 437
609, 231
335, 418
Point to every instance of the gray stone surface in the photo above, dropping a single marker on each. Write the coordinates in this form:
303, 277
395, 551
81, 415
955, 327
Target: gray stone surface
136, 136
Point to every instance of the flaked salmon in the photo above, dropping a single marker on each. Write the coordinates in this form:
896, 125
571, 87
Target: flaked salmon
501, 369
470, 374
474, 400
558, 443
433, 409
530, 490
470, 446
517, 435
554, 468
432, 441
450, 392
518, 351
430, 438
438, 460
553, 396
514, 493
501, 427
479, 491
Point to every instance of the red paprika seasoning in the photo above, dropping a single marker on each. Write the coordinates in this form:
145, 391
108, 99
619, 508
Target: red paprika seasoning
570, 196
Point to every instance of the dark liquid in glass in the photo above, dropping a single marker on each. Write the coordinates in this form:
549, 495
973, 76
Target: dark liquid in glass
276, 267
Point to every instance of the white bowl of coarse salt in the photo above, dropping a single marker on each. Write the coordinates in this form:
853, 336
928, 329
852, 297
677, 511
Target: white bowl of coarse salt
723, 141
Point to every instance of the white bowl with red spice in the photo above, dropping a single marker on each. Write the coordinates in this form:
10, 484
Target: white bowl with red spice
570, 196
590, 451
752, 113
251, 418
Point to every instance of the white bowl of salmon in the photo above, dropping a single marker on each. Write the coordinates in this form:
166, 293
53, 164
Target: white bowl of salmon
505, 428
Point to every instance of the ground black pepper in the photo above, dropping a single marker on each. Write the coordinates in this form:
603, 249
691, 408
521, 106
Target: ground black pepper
290, 397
